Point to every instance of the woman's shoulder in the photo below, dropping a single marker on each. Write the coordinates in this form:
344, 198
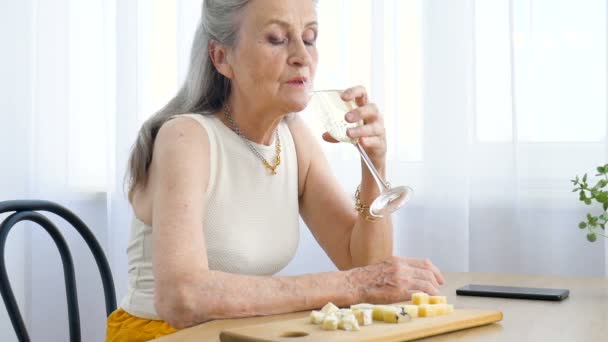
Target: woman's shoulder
180, 152
203, 120
185, 126
296, 124
181, 139
306, 145
299, 129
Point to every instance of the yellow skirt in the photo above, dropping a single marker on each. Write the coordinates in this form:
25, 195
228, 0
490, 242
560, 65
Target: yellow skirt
124, 327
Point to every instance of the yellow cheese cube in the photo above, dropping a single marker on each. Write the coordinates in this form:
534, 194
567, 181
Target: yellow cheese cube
437, 299
420, 298
442, 308
411, 310
431, 310
378, 312
396, 315
428, 310
445, 308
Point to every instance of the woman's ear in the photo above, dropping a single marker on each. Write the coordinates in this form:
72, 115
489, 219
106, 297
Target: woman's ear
219, 56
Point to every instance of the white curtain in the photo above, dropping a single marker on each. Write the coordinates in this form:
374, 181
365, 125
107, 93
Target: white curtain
491, 107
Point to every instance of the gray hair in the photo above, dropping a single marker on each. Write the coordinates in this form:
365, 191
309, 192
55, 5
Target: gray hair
204, 91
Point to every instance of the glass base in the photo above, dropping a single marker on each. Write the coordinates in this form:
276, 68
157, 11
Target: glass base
390, 201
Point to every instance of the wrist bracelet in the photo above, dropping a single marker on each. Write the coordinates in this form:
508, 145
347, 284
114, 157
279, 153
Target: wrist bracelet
363, 210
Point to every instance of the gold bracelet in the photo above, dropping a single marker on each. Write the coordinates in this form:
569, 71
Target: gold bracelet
363, 210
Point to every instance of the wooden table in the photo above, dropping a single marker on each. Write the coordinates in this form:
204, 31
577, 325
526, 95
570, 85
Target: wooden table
581, 317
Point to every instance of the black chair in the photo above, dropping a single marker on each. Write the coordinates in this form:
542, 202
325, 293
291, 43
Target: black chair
25, 210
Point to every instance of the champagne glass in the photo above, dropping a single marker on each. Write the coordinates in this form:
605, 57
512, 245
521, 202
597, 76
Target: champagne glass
332, 109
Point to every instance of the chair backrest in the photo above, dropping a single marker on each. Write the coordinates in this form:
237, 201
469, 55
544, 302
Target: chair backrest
27, 210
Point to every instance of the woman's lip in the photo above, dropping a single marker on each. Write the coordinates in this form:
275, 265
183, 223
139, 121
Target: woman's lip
298, 84
298, 80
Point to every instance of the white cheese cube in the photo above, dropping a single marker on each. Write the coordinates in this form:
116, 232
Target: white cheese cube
330, 322
362, 306
349, 322
329, 308
316, 317
364, 316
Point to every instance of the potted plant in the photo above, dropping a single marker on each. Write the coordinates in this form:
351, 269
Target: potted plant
595, 225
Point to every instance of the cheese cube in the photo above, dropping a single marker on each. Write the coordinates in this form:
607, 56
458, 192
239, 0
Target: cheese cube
344, 312
437, 299
364, 316
330, 322
424, 310
349, 322
316, 317
329, 308
411, 310
431, 310
362, 306
420, 298
378, 312
396, 315
443, 308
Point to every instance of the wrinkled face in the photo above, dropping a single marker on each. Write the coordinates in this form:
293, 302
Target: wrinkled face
274, 59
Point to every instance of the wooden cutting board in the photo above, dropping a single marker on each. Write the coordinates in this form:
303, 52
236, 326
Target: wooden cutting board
300, 330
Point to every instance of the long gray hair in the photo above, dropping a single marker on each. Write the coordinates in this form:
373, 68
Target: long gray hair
204, 91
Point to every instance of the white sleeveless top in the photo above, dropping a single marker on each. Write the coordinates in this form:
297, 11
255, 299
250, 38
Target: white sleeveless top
251, 222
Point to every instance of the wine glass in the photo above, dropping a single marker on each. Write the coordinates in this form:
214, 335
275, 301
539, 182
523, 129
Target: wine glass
329, 105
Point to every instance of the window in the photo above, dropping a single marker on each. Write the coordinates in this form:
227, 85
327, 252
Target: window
558, 70
376, 44
91, 99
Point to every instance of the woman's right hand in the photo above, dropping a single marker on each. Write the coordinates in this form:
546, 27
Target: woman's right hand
395, 279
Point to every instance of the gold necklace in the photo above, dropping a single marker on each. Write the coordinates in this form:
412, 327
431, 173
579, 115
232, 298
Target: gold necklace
277, 160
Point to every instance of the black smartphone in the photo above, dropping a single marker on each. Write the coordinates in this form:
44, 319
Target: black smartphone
513, 292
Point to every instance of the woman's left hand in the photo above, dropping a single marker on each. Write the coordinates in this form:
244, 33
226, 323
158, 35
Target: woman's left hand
371, 135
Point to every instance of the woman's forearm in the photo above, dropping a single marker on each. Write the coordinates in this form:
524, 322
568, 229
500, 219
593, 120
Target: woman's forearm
370, 242
219, 295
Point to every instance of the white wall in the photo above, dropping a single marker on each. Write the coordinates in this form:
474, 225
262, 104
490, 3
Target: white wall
13, 167
36, 274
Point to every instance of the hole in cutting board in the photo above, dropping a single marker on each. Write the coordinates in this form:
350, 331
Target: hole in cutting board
294, 334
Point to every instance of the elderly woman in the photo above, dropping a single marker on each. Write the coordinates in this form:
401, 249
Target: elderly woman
220, 176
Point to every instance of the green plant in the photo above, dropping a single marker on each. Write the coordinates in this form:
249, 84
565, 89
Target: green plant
587, 194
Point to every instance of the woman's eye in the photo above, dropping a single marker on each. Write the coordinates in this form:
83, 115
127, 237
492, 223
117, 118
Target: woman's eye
276, 40
310, 42
310, 38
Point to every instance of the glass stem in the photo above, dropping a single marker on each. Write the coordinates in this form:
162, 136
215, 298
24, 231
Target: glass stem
381, 184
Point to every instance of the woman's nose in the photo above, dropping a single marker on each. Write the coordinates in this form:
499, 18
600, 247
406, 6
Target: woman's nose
299, 55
